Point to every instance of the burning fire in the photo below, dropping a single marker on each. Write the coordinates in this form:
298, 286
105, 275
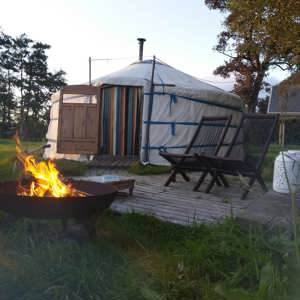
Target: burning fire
41, 178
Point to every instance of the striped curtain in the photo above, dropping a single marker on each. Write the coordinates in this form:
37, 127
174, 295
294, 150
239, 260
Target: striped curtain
121, 114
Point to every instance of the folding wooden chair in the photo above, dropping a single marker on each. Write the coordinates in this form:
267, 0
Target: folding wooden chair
208, 138
255, 132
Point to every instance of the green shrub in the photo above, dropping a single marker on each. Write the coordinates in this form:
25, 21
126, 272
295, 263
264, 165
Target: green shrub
71, 167
139, 169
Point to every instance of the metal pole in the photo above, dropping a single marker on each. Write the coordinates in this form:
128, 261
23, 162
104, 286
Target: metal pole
90, 71
283, 133
280, 133
150, 105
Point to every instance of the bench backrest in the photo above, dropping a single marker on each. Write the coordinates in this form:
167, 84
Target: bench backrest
209, 135
254, 133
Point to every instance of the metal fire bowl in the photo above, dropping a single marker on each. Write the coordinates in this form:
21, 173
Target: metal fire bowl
100, 197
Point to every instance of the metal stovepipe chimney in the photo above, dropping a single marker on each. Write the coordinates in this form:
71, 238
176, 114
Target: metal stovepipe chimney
141, 48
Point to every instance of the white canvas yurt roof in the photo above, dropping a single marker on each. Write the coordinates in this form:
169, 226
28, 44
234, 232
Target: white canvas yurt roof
179, 101
139, 74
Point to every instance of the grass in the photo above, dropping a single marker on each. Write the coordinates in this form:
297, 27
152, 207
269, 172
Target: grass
7, 160
7, 157
139, 257
71, 167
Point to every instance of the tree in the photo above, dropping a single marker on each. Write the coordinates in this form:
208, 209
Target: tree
40, 84
26, 84
260, 35
21, 48
7, 68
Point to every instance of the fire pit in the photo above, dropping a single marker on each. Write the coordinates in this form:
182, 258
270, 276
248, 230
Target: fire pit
43, 193
98, 197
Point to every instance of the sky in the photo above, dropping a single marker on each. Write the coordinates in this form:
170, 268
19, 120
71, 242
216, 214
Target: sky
180, 33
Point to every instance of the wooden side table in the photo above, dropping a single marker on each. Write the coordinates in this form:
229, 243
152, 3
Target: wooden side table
123, 184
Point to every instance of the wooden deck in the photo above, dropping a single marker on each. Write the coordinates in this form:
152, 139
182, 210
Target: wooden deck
179, 204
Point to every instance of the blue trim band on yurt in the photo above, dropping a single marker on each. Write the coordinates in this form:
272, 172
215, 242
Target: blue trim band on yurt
203, 101
184, 146
186, 123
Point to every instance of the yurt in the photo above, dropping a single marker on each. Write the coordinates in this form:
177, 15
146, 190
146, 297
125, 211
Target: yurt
136, 111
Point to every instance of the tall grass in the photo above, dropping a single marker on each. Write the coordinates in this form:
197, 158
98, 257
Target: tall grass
222, 261
295, 265
293, 193
36, 264
139, 257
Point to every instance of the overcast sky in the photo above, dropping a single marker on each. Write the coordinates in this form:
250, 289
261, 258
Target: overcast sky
181, 33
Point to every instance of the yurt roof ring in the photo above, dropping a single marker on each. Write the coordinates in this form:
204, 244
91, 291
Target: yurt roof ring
111, 59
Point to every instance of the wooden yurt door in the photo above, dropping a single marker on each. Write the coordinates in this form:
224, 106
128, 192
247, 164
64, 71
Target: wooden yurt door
121, 120
78, 126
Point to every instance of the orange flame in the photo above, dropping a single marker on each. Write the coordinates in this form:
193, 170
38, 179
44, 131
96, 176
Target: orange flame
43, 177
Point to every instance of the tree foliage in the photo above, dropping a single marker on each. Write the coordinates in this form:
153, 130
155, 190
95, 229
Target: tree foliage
26, 84
259, 35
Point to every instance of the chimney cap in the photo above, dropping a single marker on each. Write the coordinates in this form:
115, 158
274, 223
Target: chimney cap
141, 39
